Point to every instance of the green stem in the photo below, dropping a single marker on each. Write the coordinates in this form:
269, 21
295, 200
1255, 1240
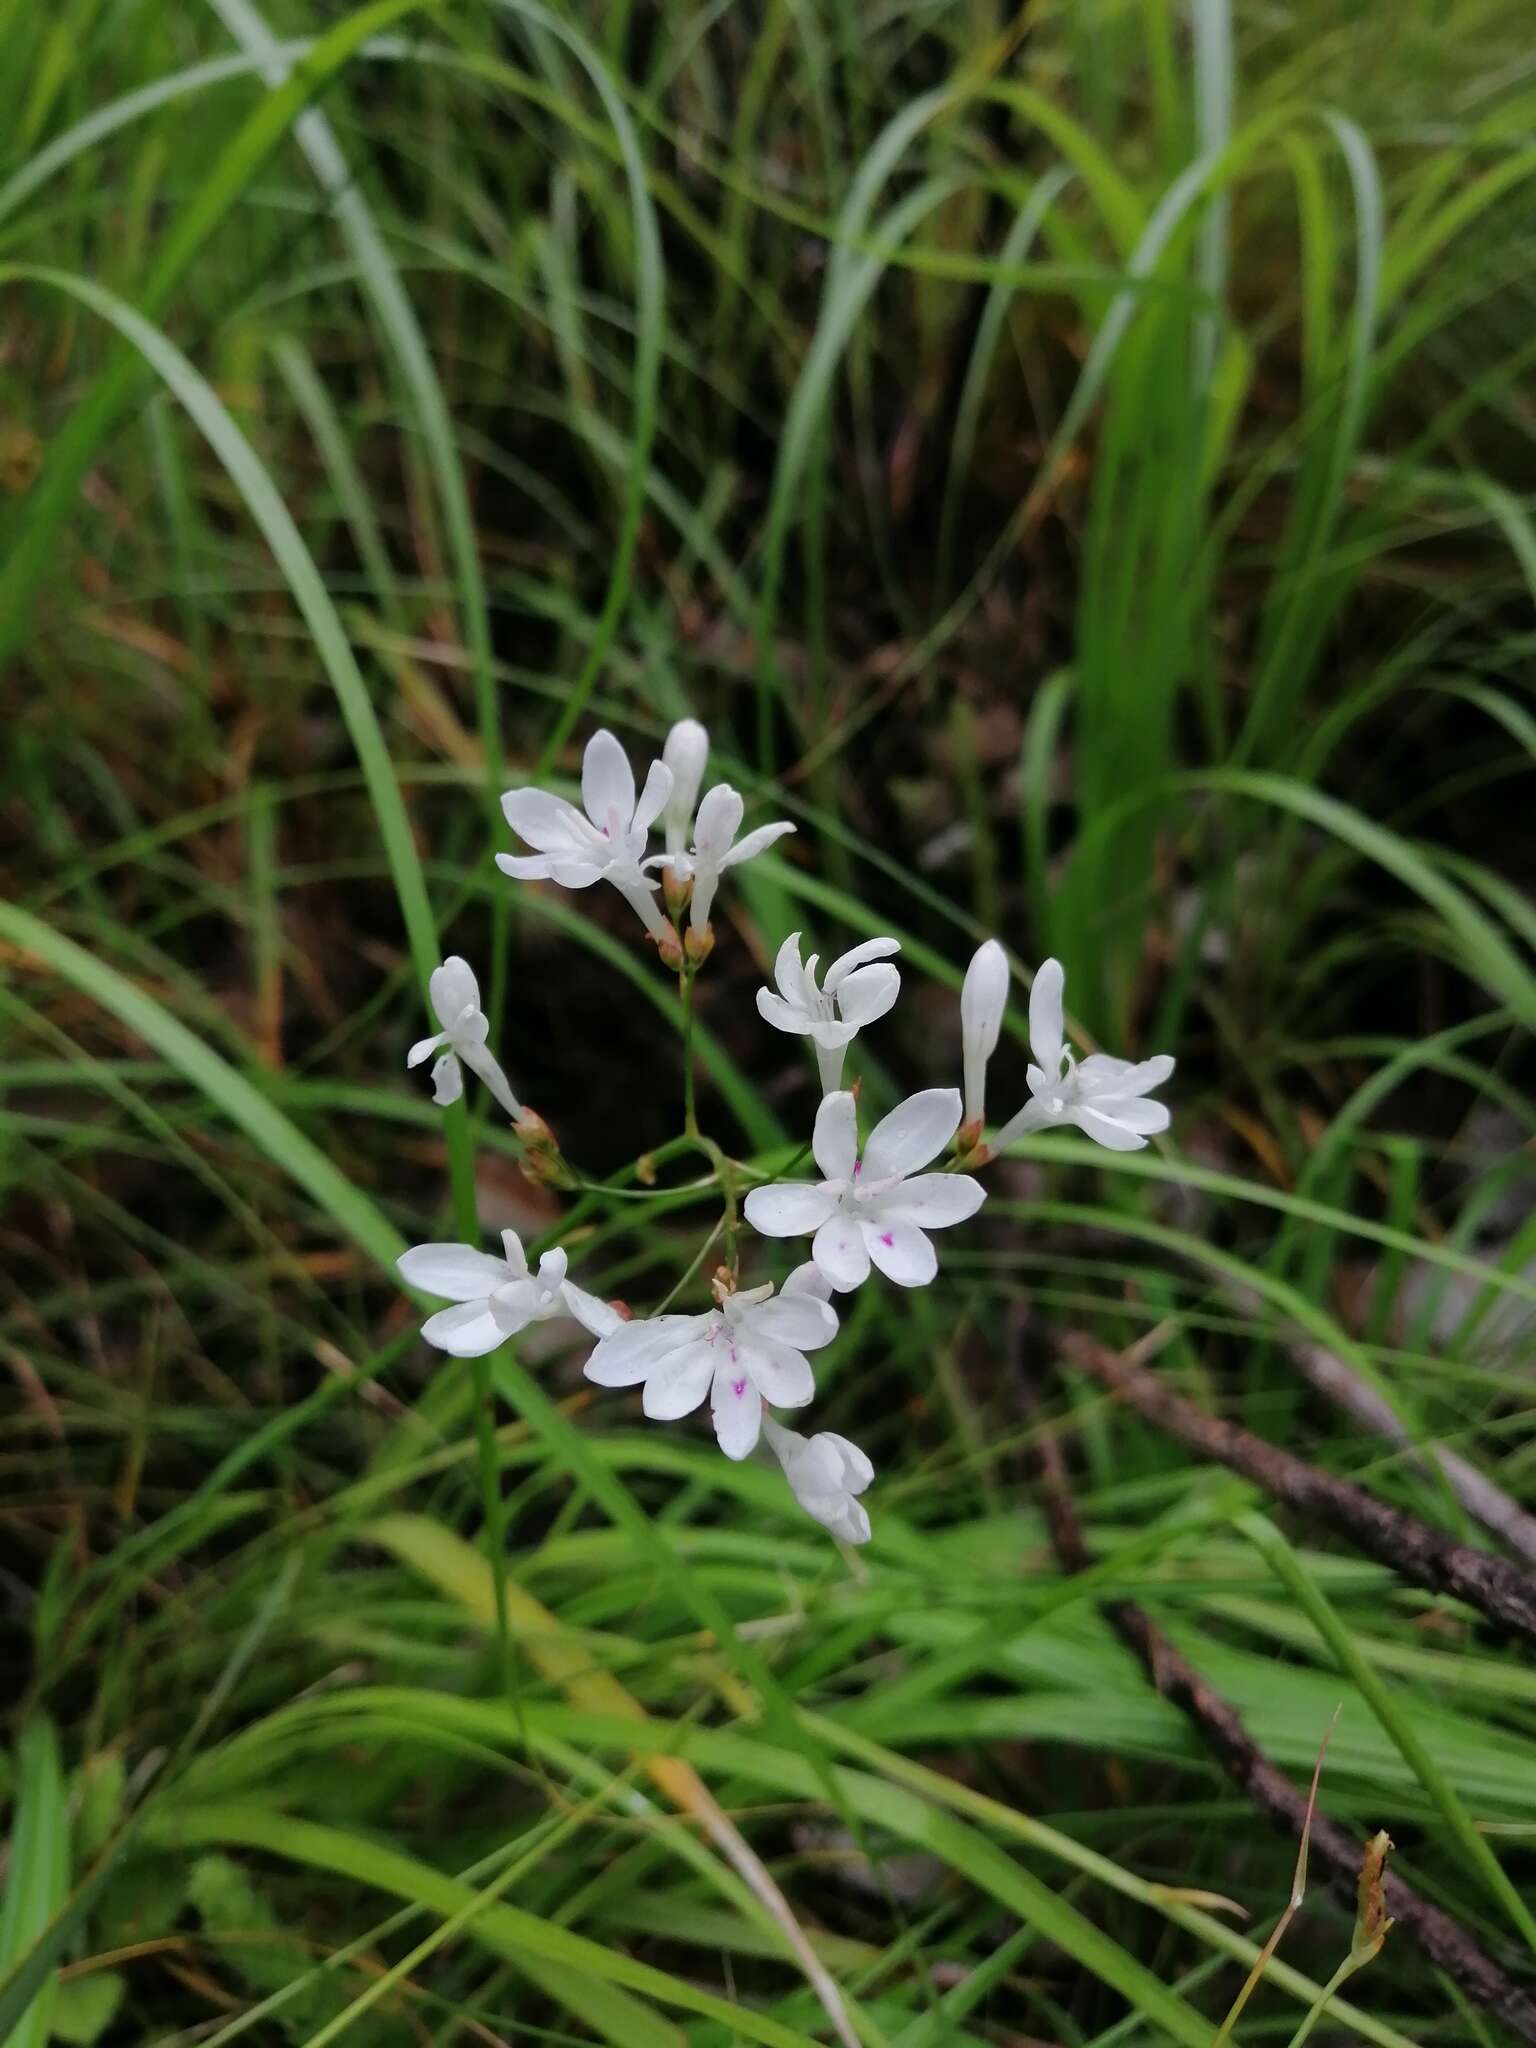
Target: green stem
461, 1157
724, 1167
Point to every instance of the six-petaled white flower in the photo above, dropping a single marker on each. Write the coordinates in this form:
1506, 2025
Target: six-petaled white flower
456, 999
607, 844
495, 1298
983, 999
685, 753
857, 988
716, 848
749, 1350
825, 1472
1103, 1096
877, 1207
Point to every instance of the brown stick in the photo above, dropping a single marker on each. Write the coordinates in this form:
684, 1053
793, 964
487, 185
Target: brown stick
1338, 1382
1218, 1721
1502, 1591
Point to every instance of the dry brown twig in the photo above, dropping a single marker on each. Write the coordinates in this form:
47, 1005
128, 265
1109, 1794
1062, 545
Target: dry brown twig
1441, 1938
1503, 1592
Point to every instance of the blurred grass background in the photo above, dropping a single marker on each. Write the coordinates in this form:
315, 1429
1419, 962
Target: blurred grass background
1079, 462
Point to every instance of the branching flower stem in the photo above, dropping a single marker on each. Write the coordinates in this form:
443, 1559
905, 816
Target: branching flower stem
725, 1168
461, 1161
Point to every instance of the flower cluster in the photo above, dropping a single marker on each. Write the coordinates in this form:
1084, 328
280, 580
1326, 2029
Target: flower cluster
877, 1199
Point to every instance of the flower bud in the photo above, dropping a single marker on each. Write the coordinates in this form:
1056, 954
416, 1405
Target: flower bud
983, 1000
685, 753
541, 1161
676, 888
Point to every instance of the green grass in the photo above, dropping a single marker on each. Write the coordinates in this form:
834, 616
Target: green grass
1079, 463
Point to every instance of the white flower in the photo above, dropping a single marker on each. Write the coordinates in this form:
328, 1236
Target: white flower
808, 1279
749, 1350
851, 994
456, 999
608, 844
1104, 1097
495, 1298
824, 1473
716, 848
873, 1208
686, 751
983, 999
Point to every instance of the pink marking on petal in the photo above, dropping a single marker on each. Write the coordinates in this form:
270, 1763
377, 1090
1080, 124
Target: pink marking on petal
858, 1168
738, 1388
885, 1237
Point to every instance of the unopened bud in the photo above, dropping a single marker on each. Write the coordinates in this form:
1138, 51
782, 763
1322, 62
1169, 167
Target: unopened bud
533, 1131
676, 888
722, 1284
541, 1161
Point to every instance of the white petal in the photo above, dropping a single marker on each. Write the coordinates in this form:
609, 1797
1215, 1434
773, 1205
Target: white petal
815, 1467
789, 1208
736, 1410
467, 1330
1136, 1112
1045, 1016
453, 989
486, 1065
867, 993
916, 1131
797, 1319
718, 822
607, 783
593, 1314
653, 798
1101, 1074
527, 867
457, 1272
853, 1524
807, 1279
856, 956
447, 1080
570, 874
515, 1306
857, 1471
424, 1048
835, 1139
782, 1374
628, 1353
902, 1252
516, 1258
1114, 1137
680, 1382
1034, 1116
552, 1269
756, 841
789, 975
548, 823
935, 1200
781, 1015
832, 1037
838, 1248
